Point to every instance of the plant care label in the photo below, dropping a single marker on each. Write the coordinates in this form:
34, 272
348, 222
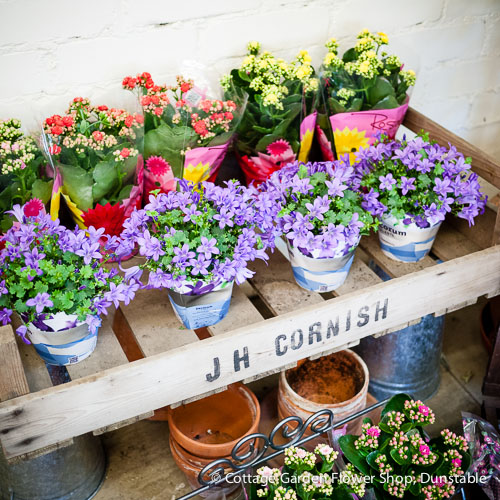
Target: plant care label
297, 340
406, 243
198, 311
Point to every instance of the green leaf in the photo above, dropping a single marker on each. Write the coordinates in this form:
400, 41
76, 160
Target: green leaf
396, 403
42, 190
350, 55
388, 102
106, 179
399, 460
334, 106
380, 91
356, 104
78, 184
352, 454
370, 459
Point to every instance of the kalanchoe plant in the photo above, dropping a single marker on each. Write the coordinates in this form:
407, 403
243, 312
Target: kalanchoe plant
305, 476
398, 448
46, 269
280, 96
180, 119
22, 173
96, 150
418, 181
317, 207
196, 238
366, 77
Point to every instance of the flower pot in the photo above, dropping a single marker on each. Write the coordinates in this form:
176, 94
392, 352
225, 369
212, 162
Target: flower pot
210, 427
319, 275
406, 243
338, 382
191, 465
63, 346
201, 309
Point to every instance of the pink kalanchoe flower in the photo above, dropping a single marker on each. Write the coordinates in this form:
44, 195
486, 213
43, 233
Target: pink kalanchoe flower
456, 462
424, 410
157, 165
34, 207
373, 431
278, 148
301, 453
424, 450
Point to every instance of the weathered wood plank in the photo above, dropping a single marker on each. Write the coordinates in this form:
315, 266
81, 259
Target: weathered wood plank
482, 163
34, 367
277, 287
153, 322
13, 381
51, 415
450, 243
241, 312
371, 245
123, 423
481, 233
108, 353
360, 276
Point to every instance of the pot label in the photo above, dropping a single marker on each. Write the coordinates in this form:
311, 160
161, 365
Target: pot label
197, 311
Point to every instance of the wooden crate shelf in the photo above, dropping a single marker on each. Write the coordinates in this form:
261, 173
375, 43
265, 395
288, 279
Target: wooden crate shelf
145, 360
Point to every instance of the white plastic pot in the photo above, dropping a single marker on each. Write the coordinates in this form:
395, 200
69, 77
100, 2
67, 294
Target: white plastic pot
406, 243
198, 311
63, 346
319, 275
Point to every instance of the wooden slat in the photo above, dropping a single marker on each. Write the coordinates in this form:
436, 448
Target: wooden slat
241, 312
395, 269
36, 420
152, 321
450, 243
277, 287
360, 276
107, 354
13, 381
34, 367
481, 233
485, 165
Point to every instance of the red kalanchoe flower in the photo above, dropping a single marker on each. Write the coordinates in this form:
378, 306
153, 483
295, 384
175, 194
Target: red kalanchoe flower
54, 149
97, 135
125, 152
102, 107
129, 121
110, 217
57, 130
185, 87
33, 207
200, 127
157, 165
158, 111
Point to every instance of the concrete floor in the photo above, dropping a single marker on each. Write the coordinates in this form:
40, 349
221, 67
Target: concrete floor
141, 466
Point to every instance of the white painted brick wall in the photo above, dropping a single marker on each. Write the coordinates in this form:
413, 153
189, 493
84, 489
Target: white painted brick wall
53, 50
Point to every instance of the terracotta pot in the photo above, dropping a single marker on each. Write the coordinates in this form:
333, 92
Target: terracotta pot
210, 427
191, 465
338, 382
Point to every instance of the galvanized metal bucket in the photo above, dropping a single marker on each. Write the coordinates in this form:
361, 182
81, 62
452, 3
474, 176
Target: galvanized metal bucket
405, 361
72, 473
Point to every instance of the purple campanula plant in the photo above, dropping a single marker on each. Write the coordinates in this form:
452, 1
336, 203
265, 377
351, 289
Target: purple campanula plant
317, 207
197, 237
418, 181
46, 269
